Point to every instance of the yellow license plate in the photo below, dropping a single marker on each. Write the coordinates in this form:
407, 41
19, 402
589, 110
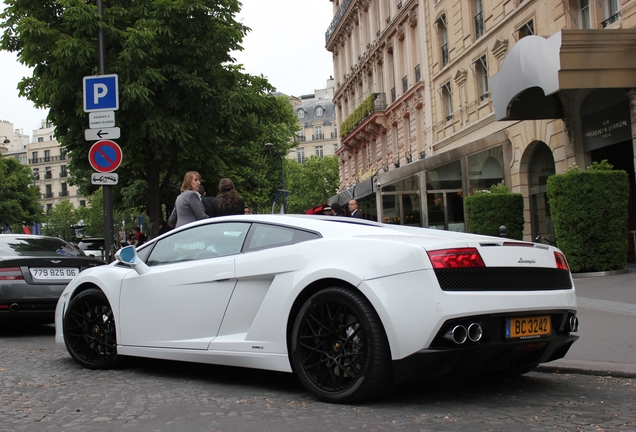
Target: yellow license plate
527, 328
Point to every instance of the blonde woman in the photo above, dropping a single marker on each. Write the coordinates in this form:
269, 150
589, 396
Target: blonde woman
188, 206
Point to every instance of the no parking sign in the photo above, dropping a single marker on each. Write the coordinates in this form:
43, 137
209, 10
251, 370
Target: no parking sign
105, 156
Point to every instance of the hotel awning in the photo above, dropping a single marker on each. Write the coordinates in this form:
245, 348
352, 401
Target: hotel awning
536, 69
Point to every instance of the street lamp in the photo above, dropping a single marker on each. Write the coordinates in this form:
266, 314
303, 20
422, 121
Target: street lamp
283, 191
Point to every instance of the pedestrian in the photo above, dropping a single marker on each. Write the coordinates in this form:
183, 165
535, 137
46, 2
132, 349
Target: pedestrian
353, 208
336, 209
188, 207
140, 238
208, 202
228, 201
326, 210
164, 227
246, 210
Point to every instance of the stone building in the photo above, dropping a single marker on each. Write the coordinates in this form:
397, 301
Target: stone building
48, 162
438, 98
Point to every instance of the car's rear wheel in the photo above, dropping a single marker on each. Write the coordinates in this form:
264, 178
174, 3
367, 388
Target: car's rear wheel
89, 330
339, 348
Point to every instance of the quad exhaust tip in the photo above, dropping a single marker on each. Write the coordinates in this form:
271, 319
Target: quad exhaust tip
460, 334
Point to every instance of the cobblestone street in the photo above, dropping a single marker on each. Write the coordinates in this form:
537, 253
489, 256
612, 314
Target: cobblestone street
43, 389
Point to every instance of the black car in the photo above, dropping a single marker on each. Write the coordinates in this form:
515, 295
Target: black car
34, 270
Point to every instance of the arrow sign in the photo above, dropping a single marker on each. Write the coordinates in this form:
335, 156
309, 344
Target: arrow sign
105, 156
104, 133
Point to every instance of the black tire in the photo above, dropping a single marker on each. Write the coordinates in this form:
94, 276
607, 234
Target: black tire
339, 348
89, 330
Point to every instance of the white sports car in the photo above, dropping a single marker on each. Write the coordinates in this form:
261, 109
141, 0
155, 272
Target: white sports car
350, 306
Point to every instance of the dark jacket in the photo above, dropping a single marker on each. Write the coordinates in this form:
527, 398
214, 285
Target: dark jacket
239, 208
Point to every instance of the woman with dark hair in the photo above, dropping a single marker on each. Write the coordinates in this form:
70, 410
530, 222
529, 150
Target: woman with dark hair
188, 206
228, 202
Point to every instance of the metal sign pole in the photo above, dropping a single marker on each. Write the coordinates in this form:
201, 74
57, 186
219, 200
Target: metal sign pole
107, 189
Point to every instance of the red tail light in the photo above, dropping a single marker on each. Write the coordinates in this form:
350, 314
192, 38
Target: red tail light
456, 258
561, 263
11, 273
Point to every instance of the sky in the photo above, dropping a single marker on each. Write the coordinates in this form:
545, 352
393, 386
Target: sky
286, 45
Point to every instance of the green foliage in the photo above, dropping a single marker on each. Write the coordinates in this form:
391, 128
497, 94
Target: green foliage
61, 220
183, 104
312, 183
490, 209
589, 212
19, 199
359, 114
603, 165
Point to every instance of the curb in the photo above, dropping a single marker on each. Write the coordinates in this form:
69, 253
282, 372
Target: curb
583, 367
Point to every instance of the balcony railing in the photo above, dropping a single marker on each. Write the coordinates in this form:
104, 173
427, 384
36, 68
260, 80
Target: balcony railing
336, 20
334, 134
64, 194
300, 138
611, 19
48, 195
46, 159
316, 137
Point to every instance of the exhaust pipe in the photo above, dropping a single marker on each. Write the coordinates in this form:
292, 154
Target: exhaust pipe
574, 324
475, 332
458, 334
14, 307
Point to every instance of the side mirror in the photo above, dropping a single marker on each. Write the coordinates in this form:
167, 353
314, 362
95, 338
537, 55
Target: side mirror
128, 256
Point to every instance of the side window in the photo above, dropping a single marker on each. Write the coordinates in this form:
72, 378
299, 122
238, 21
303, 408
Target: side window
201, 242
269, 236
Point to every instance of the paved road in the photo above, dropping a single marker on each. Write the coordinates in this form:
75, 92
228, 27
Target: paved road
43, 389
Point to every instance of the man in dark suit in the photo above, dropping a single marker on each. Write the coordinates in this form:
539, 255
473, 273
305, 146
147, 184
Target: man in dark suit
353, 208
208, 202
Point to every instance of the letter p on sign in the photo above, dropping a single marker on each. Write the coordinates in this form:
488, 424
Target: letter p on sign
101, 93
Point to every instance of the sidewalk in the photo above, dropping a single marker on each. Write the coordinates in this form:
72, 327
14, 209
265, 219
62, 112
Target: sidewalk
607, 315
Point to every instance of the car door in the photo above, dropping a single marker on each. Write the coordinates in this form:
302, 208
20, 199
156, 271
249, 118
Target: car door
181, 301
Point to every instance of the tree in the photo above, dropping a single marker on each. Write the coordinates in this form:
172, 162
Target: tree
311, 183
19, 198
61, 220
183, 104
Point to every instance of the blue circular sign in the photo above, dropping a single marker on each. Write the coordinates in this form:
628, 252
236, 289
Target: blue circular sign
105, 156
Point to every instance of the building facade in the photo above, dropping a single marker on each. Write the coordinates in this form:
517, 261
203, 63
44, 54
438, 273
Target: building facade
49, 164
318, 128
438, 98
13, 142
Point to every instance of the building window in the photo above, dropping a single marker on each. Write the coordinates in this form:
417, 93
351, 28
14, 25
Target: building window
585, 21
82, 203
481, 72
335, 147
300, 136
443, 38
418, 74
405, 84
47, 155
40, 139
36, 173
479, 18
318, 135
612, 9
319, 111
300, 155
319, 152
447, 101
34, 157
62, 154
301, 114
48, 174
49, 207
63, 172
48, 193
527, 29
393, 96
64, 191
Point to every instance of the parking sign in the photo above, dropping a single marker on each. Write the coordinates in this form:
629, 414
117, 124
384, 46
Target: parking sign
101, 93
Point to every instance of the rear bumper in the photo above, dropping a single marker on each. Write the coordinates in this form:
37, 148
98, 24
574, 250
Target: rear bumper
27, 309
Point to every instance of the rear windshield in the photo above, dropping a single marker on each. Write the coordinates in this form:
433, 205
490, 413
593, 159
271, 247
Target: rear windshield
91, 244
36, 246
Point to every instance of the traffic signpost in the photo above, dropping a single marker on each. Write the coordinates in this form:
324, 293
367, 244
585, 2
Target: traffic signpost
102, 133
101, 93
105, 156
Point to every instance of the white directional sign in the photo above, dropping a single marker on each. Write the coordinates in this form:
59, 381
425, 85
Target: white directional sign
99, 178
101, 93
101, 133
101, 119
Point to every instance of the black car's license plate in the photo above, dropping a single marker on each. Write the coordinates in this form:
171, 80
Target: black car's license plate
47, 273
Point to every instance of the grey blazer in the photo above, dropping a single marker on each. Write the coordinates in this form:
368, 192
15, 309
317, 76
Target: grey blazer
187, 208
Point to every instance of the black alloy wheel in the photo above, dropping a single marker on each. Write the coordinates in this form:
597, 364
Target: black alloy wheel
89, 330
339, 348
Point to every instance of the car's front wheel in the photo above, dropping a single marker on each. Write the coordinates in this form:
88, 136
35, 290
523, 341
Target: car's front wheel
339, 348
89, 330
